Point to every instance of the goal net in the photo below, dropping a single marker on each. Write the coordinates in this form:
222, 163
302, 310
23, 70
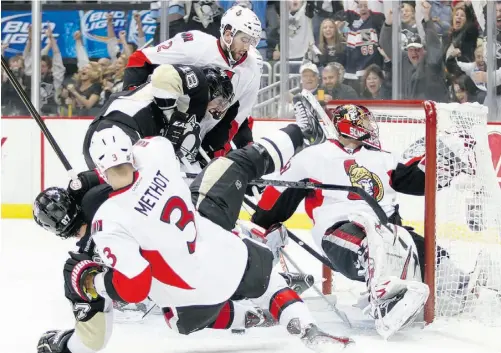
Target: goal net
461, 210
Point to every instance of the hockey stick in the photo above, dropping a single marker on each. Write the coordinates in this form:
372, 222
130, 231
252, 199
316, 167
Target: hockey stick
24, 97
299, 242
342, 315
381, 215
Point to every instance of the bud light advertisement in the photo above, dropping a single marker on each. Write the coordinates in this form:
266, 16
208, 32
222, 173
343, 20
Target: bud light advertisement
93, 26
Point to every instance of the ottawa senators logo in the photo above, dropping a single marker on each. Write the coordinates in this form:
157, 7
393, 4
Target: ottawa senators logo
365, 179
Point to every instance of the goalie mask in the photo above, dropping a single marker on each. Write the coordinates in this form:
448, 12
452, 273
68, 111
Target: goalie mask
55, 211
358, 123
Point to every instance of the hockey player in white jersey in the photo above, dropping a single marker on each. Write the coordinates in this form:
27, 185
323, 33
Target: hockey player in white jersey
346, 227
234, 51
158, 245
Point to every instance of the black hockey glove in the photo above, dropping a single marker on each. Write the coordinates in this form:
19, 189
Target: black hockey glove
76, 271
54, 341
174, 131
86, 181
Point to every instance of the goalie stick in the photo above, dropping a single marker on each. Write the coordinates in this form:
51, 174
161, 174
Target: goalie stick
29, 105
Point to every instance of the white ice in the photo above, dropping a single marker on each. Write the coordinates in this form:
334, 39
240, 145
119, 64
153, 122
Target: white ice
32, 301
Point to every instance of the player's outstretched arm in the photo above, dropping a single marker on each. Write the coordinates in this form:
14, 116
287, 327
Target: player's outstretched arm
129, 276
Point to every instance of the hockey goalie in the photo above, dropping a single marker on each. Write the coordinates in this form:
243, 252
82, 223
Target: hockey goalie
389, 258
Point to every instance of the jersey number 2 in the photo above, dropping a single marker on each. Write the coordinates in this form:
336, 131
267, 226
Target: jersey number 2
186, 217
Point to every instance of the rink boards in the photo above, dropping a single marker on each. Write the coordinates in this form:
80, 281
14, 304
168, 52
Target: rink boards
29, 164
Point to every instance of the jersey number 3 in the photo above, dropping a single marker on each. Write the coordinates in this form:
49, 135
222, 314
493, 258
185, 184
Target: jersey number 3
186, 217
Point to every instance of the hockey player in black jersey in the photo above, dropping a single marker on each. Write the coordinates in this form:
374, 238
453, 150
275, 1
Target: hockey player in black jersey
173, 105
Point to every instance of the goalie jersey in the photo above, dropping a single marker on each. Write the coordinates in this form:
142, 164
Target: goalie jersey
379, 173
155, 242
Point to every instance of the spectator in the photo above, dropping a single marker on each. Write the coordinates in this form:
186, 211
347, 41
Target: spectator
361, 43
330, 44
177, 23
332, 86
374, 85
465, 91
310, 77
422, 70
300, 33
203, 16
52, 73
408, 21
11, 102
84, 95
319, 11
113, 79
127, 47
441, 15
469, 68
462, 39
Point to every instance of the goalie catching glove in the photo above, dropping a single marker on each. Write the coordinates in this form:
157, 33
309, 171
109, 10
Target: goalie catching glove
79, 272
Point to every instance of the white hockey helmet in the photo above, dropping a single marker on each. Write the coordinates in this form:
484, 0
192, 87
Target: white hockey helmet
110, 147
239, 18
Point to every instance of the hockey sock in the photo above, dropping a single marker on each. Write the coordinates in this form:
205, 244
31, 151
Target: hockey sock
280, 146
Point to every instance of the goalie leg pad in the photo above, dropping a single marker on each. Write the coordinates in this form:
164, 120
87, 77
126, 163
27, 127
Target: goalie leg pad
341, 243
393, 276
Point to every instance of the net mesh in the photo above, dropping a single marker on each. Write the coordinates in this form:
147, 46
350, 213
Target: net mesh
468, 204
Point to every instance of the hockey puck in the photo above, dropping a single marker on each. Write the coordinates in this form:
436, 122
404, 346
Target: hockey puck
238, 331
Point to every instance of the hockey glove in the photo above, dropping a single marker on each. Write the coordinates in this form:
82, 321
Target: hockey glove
86, 180
275, 238
174, 131
79, 272
54, 341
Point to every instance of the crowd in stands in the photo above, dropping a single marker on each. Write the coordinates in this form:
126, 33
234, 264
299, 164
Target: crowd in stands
343, 50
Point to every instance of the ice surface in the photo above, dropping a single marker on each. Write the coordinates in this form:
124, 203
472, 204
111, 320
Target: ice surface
32, 301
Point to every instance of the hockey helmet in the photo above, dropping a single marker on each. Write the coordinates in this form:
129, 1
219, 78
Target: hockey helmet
56, 211
220, 90
356, 122
110, 147
241, 19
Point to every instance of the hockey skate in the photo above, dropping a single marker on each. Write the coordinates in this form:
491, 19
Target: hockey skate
308, 121
316, 339
299, 282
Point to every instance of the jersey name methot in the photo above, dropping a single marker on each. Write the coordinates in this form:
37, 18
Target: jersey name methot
153, 192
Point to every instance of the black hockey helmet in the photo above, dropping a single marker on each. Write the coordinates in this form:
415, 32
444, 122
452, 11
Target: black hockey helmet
56, 211
220, 87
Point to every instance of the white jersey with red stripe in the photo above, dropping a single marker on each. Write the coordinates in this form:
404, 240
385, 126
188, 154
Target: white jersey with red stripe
199, 48
158, 244
330, 163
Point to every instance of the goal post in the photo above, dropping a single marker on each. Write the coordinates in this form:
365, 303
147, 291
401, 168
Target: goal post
461, 209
